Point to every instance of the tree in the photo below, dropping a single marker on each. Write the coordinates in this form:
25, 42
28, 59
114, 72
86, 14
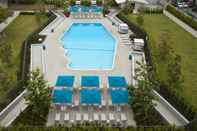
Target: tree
143, 95
127, 7
41, 11
38, 94
164, 47
175, 77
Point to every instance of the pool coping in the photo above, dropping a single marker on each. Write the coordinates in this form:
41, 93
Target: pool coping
69, 61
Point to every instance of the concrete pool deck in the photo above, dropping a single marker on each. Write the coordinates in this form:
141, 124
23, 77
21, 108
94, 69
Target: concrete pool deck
56, 61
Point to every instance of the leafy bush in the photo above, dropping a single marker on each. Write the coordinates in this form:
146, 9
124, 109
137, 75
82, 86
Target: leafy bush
186, 19
4, 13
105, 9
27, 1
86, 3
99, 2
111, 3
58, 3
72, 2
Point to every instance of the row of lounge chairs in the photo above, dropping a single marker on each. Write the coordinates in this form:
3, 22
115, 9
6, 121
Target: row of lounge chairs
86, 15
99, 118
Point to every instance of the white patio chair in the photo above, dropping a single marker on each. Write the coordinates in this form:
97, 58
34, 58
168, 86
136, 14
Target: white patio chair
103, 117
96, 117
85, 117
78, 117
57, 118
66, 117
123, 117
111, 117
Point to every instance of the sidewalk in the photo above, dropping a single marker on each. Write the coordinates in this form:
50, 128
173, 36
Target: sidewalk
4, 24
180, 23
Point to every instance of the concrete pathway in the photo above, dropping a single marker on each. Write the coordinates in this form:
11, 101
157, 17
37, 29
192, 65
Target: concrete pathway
4, 24
181, 23
13, 110
168, 112
14, 113
54, 24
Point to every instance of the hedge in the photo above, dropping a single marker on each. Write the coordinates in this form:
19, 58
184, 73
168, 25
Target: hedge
93, 128
185, 108
186, 19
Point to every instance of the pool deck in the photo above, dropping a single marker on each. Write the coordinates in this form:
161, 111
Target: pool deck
56, 61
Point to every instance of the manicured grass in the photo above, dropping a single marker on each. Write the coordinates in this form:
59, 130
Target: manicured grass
184, 44
15, 34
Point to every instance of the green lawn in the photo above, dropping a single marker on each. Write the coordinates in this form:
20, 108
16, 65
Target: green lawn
184, 44
15, 34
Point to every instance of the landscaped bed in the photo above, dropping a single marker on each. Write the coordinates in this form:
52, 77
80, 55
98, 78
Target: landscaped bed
11, 46
183, 44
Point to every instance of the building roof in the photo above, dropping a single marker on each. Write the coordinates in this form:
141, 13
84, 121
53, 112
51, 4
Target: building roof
137, 1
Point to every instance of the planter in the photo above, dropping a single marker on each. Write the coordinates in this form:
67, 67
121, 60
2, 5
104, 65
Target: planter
67, 14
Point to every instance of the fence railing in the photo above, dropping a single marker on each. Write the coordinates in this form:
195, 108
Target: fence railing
11, 106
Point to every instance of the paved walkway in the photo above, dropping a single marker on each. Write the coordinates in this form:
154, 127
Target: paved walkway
4, 24
181, 23
13, 114
13, 110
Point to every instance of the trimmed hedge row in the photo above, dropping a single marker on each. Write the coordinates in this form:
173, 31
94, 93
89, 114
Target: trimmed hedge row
93, 128
185, 108
186, 19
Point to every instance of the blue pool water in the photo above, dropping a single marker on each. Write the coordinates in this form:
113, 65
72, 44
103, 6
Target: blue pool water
89, 46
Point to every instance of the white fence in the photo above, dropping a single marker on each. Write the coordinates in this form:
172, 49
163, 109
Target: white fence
178, 117
5, 112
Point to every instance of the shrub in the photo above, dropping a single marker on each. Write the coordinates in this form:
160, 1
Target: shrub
27, 1
86, 3
99, 2
72, 2
111, 3
4, 13
105, 9
186, 19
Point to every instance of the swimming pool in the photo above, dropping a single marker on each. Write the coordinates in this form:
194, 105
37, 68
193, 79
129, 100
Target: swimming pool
89, 46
